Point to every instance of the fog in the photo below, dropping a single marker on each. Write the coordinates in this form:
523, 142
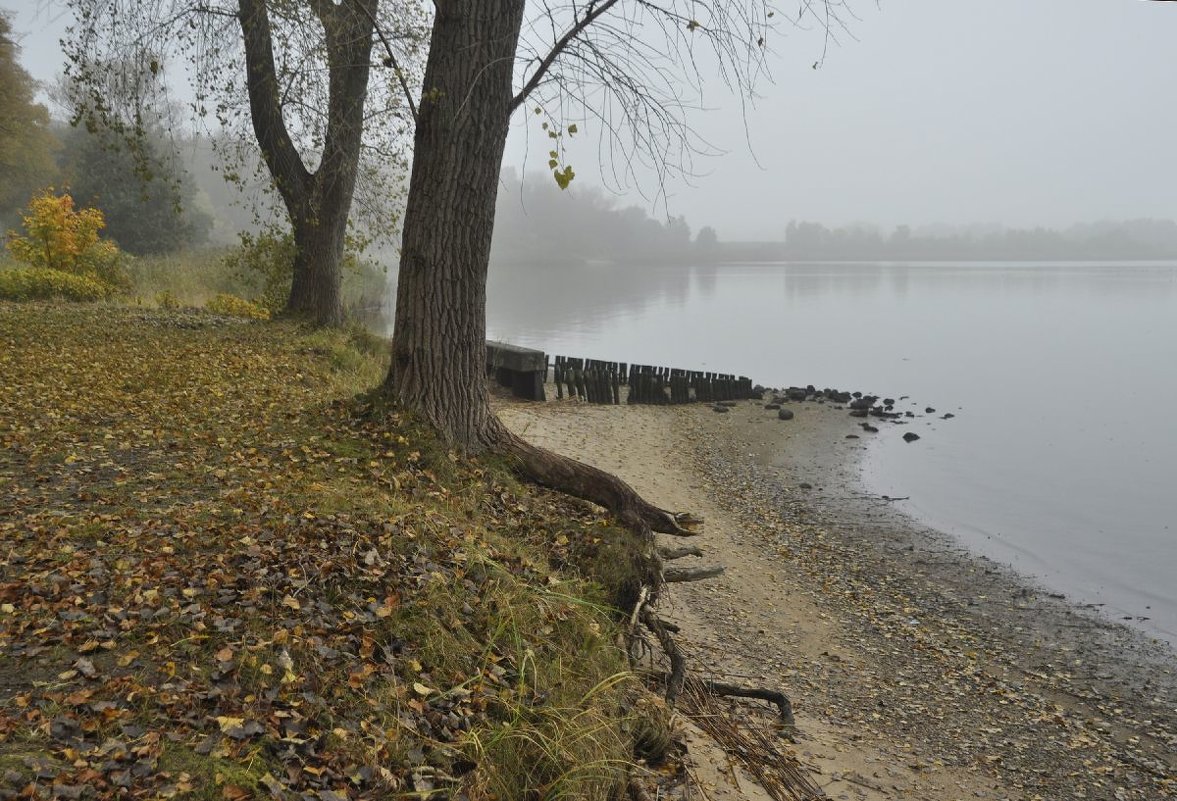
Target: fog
1023, 114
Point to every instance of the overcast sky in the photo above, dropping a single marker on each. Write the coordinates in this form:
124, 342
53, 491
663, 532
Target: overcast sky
1024, 113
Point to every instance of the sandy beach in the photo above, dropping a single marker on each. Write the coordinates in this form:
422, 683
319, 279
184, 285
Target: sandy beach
916, 670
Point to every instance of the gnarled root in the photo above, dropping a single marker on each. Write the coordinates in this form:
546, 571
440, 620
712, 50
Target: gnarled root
591, 484
669, 554
673, 574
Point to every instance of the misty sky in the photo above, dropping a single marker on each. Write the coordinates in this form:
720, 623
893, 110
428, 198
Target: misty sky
1024, 113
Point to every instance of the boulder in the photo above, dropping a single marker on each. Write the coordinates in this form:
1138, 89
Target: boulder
910, 436
784, 414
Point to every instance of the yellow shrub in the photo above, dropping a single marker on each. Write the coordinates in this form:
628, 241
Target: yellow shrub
233, 306
60, 238
38, 283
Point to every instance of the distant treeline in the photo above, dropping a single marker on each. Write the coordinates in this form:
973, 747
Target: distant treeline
537, 221
804, 241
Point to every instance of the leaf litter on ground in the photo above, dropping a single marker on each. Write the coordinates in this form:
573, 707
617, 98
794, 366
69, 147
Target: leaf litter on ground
225, 574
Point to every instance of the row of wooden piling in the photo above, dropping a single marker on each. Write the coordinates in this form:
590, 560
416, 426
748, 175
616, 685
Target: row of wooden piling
600, 382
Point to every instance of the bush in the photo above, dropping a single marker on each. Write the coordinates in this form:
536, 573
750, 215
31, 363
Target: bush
39, 283
267, 261
233, 306
60, 239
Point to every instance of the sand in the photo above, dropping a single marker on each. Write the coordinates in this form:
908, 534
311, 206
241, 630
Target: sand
916, 670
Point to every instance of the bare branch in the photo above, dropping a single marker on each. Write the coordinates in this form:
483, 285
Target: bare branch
593, 13
390, 61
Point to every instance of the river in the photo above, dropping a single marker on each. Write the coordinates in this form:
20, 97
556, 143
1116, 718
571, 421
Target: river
1061, 457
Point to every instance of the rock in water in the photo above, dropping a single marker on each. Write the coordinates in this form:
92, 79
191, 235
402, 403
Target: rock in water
910, 436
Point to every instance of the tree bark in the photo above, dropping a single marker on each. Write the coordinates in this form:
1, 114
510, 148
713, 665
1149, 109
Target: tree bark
315, 289
439, 340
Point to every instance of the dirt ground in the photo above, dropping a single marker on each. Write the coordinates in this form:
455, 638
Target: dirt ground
916, 670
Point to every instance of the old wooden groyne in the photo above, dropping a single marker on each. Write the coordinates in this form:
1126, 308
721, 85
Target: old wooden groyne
605, 382
526, 370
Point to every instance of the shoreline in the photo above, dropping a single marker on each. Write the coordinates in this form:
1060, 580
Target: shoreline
917, 669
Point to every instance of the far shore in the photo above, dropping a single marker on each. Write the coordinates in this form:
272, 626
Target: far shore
917, 670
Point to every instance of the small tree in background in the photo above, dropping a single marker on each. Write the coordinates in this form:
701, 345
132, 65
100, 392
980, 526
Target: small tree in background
61, 238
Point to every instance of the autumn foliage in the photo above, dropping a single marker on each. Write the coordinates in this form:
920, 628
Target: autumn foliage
62, 239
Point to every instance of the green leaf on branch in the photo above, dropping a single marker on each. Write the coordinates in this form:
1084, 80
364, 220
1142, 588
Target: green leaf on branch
563, 177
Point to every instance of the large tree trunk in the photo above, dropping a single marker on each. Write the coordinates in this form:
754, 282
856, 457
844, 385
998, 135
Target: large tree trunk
315, 289
439, 341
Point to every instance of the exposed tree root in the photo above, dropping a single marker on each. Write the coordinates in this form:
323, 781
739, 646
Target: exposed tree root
678, 663
669, 554
776, 698
674, 574
589, 483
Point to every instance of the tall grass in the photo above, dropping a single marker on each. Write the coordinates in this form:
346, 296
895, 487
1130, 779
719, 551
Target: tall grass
194, 276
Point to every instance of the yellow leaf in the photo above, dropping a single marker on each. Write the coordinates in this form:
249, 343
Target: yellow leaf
227, 723
291, 602
421, 689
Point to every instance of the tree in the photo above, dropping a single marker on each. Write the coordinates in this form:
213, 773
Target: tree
629, 53
149, 207
26, 143
304, 69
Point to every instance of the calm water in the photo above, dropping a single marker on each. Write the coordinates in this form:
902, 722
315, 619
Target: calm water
1062, 457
